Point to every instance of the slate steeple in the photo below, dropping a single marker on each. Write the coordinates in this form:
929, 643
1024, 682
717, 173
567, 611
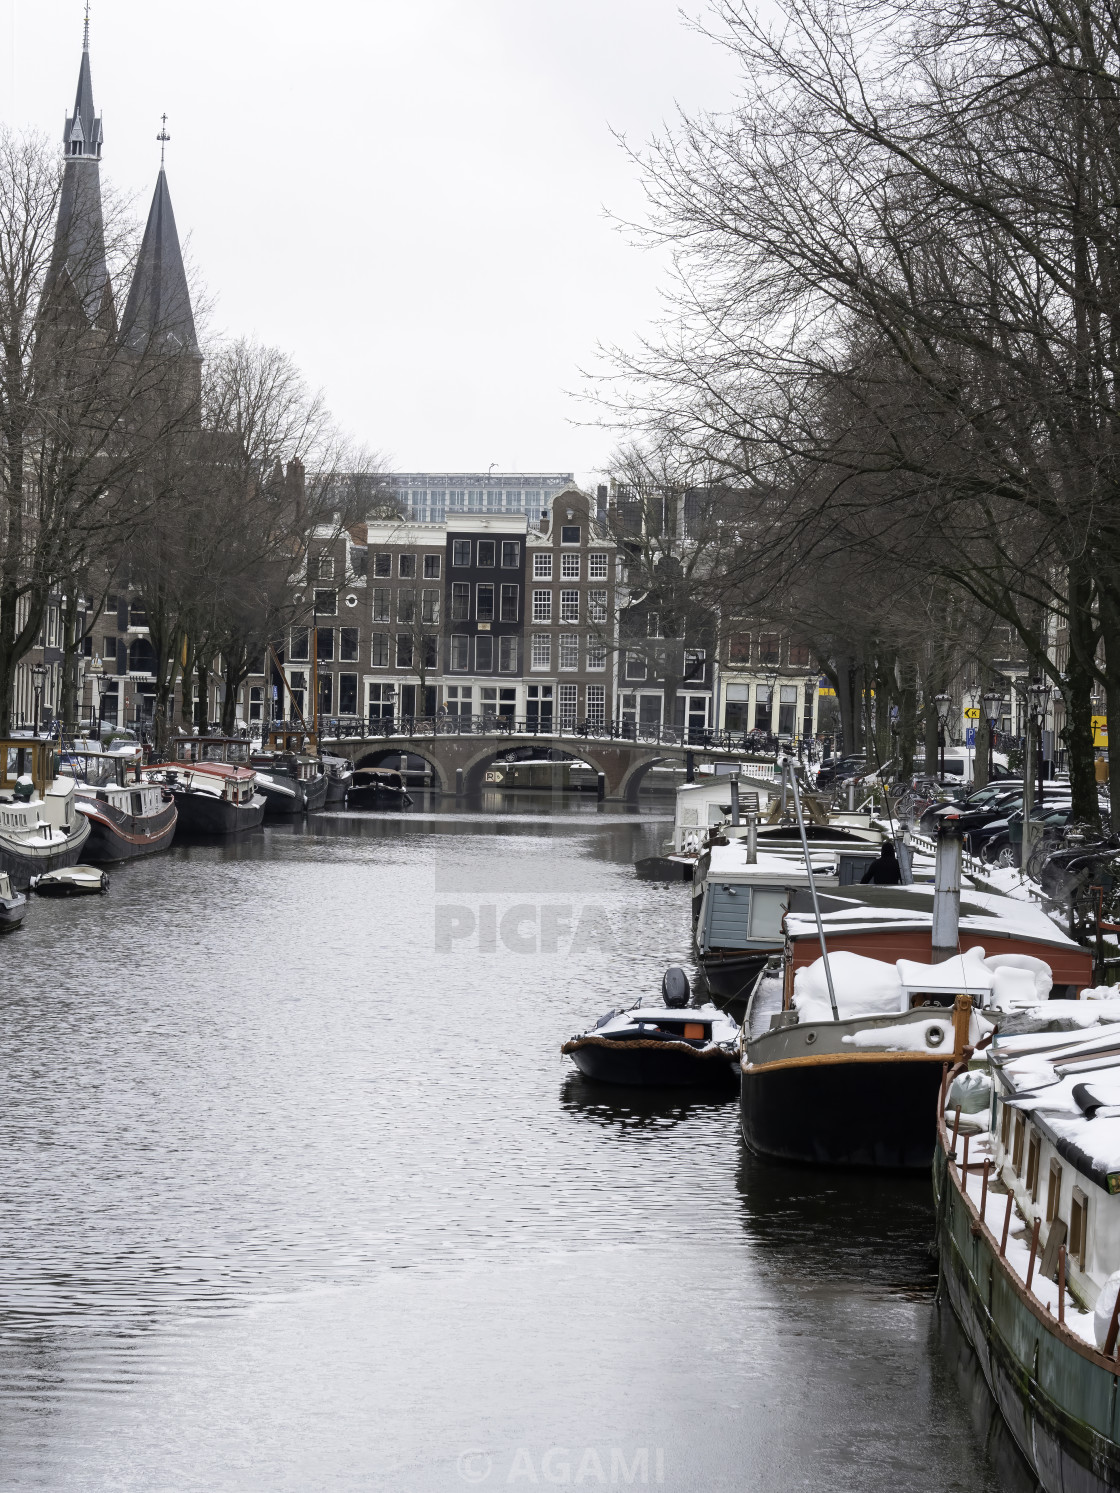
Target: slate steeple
158, 315
78, 262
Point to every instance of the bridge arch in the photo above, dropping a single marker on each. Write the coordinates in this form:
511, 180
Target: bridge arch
376, 756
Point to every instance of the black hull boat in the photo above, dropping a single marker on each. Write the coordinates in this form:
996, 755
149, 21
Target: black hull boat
377, 788
339, 774
208, 817
291, 785
729, 978
849, 1110
122, 833
673, 1046
214, 799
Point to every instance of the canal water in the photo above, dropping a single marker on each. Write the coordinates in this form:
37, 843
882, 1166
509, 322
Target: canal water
298, 1194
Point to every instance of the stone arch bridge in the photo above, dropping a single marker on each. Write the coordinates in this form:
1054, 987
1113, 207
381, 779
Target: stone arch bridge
460, 753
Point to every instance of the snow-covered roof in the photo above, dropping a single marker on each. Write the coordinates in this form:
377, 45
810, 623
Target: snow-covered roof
729, 863
855, 909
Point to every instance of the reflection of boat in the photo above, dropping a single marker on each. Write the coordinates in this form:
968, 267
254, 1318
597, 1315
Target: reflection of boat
213, 798
1029, 1235
39, 829
13, 905
377, 788
127, 816
339, 771
669, 1046
71, 881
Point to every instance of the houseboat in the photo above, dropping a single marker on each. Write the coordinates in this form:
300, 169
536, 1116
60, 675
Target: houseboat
1028, 1227
881, 985
13, 905
291, 779
127, 815
339, 772
213, 798
40, 829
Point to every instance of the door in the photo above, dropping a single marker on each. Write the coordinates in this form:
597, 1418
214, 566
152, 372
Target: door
408, 699
697, 717
569, 697
538, 707
649, 714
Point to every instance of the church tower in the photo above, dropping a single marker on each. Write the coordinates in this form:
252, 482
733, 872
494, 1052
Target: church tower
78, 268
158, 318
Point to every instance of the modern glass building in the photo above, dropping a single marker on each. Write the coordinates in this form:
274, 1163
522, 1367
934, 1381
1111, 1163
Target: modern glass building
433, 497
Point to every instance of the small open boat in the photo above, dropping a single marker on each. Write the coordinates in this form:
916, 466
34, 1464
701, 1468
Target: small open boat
672, 1046
71, 881
13, 905
377, 788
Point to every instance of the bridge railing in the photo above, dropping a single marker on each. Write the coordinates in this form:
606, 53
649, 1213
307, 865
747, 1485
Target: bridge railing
405, 728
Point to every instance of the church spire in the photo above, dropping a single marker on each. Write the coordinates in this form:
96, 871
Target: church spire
158, 315
79, 240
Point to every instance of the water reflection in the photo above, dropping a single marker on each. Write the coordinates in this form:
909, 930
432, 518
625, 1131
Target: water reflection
298, 1192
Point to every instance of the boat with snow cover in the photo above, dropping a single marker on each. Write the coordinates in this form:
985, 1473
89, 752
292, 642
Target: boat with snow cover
1027, 1192
39, 828
672, 1046
128, 817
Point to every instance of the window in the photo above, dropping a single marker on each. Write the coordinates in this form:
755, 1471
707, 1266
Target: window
379, 650
739, 648
381, 595
487, 550
694, 659
433, 567
406, 604
324, 644
569, 567
348, 694
569, 650
596, 705
799, 655
596, 606
653, 625
542, 567
569, 534
326, 603
429, 605
596, 568
301, 644
763, 713
484, 602
326, 567
635, 666
297, 683
1078, 1222
348, 648
1053, 1192
460, 652
1017, 1148
507, 655
460, 601
769, 648
458, 699
256, 702
1005, 1127
542, 606
787, 709
511, 554
509, 603
430, 654
484, 652
404, 650
541, 656
406, 567
596, 655
569, 705
380, 701
382, 563
460, 552
1034, 1156
569, 606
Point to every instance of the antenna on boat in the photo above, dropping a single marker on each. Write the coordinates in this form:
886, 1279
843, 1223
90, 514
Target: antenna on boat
789, 767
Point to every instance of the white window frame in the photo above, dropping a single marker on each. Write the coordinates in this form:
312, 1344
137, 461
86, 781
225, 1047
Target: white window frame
569, 566
567, 654
540, 657
542, 567
598, 565
542, 606
569, 606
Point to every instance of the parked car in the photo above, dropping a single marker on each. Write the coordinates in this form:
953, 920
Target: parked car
1000, 842
983, 800
839, 769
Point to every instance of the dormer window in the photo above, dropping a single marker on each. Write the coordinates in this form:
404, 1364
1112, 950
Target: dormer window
75, 147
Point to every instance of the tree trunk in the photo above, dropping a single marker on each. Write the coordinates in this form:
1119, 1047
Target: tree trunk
907, 723
849, 677
933, 762
71, 644
1110, 633
980, 766
201, 709
1077, 691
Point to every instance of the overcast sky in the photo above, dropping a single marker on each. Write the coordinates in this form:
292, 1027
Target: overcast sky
408, 197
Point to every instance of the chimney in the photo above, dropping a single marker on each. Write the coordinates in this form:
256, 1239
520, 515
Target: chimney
752, 839
947, 892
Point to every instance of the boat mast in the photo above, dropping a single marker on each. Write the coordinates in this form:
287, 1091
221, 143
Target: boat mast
788, 767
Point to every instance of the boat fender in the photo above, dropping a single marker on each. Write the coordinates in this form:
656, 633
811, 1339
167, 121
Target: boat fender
970, 1093
675, 989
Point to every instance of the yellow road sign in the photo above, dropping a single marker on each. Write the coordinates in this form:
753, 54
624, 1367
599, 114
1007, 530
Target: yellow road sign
972, 714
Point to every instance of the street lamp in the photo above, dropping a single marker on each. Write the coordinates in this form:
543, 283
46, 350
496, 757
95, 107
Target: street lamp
944, 704
1039, 696
39, 675
96, 671
993, 702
